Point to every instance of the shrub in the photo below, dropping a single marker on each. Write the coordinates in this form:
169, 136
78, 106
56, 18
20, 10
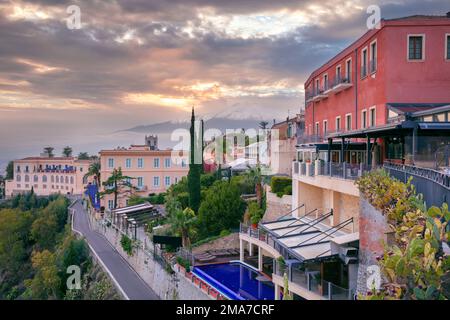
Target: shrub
255, 212
127, 245
224, 233
184, 263
278, 184
288, 190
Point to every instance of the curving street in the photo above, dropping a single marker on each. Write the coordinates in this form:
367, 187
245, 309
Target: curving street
126, 279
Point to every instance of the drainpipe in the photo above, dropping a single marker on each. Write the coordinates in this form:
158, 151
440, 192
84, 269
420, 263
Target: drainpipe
356, 88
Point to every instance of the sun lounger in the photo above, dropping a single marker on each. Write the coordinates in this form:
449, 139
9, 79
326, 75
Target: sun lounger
205, 258
219, 252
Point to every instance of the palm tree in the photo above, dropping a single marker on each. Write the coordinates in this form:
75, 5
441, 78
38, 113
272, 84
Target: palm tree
254, 176
94, 170
263, 124
67, 152
49, 151
117, 184
83, 156
182, 222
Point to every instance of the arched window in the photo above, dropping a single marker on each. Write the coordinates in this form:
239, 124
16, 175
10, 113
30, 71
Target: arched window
57, 179
18, 178
71, 180
67, 180
44, 178
52, 178
35, 178
27, 178
62, 179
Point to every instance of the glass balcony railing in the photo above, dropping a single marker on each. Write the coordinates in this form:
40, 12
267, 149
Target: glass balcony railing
312, 282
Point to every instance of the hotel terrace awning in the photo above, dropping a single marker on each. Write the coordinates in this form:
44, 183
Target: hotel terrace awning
306, 238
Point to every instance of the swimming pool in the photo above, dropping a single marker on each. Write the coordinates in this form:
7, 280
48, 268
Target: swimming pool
236, 281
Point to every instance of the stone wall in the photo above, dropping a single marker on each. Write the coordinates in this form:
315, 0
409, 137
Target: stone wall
373, 230
275, 206
229, 242
167, 286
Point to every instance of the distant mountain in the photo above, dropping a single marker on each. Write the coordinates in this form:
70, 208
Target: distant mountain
214, 123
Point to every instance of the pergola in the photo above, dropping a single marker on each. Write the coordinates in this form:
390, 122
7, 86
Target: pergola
134, 216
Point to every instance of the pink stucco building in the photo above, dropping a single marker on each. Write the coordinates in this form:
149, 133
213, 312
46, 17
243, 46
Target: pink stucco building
152, 170
404, 63
48, 175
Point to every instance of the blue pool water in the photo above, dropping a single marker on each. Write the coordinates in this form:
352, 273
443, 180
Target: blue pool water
236, 281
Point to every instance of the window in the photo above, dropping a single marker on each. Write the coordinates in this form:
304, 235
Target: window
18, 169
57, 179
373, 57
338, 74
140, 163
110, 204
317, 86
317, 129
348, 122
167, 181
447, 46
416, 47
140, 182
44, 179
44, 186
176, 179
71, 180
325, 127
338, 123
156, 163
348, 70
26, 169
35, 178
364, 63
364, 119
128, 163
372, 117
167, 162
52, 178
325, 82
27, 178
18, 178
440, 117
81, 169
67, 180
111, 163
156, 181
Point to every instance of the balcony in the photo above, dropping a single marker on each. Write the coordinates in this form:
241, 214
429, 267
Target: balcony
341, 84
309, 283
316, 95
332, 169
314, 138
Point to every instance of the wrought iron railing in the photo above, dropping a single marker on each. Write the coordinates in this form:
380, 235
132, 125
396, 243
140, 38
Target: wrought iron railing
440, 178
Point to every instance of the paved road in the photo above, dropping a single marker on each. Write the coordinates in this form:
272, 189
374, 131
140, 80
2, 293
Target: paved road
132, 286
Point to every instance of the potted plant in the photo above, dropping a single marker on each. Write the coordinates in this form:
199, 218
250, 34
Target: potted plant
255, 220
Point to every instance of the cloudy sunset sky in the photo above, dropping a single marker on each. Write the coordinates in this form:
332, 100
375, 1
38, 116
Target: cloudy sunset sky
137, 62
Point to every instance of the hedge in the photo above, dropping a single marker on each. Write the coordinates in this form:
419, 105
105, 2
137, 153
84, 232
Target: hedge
279, 184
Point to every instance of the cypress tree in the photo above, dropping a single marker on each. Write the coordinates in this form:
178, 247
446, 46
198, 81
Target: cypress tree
194, 169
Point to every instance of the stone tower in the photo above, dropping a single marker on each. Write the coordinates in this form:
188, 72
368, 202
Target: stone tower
152, 142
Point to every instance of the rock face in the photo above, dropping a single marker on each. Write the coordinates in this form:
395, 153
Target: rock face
229, 242
275, 206
373, 230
